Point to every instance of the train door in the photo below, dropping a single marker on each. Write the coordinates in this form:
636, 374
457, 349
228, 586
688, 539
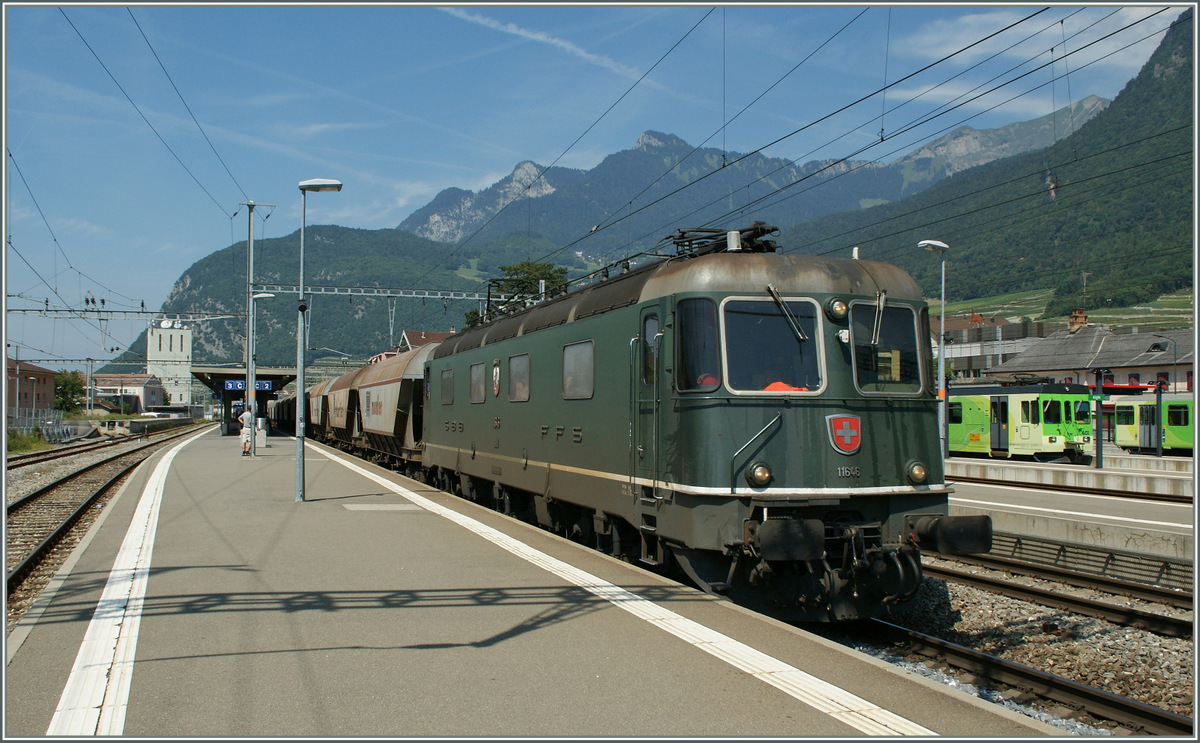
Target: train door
1147, 426
645, 374
999, 423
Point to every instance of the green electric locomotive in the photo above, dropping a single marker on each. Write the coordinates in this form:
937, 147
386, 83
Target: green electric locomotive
767, 422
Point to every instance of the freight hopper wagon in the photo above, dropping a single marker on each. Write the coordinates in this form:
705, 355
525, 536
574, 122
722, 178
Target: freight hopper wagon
1047, 422
391, 401
767, 422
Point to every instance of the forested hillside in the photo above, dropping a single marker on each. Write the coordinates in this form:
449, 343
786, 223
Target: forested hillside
1112, 204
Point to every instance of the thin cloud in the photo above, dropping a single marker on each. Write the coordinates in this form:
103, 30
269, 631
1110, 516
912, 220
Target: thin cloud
511, 28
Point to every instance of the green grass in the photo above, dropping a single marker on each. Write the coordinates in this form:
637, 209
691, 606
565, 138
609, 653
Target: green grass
19, 443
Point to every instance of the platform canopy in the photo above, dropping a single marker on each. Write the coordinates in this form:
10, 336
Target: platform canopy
233, 378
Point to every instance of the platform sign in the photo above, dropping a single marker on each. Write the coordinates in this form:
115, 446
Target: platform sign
239, 385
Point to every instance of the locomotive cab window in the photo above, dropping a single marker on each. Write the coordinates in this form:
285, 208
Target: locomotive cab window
887, 356
698, 367
772, 347
448, 387
578, 371
478, 383
955, 412
518, 378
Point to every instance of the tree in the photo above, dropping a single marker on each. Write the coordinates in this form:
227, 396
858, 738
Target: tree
522, 280
69, 388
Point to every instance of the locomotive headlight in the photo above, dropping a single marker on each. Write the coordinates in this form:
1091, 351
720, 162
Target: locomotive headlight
837, 309
917, 472
758, 475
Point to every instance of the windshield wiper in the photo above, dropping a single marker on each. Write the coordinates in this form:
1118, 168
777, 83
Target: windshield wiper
787, 313
880, 301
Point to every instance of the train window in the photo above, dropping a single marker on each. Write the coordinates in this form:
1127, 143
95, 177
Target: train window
698, 367
650, 339
478, 382
1025, 411
518, 378
1083, 411
578, 371
1124, 415
1177, 415
955, 412
890, 363
448, 387
769, 351
1052, 411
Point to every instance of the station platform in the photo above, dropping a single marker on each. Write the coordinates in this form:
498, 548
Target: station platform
208, 602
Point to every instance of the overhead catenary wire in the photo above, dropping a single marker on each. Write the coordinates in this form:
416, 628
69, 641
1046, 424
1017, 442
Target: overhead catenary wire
541, 174
139, 112
186, 106
943, 112
631, 210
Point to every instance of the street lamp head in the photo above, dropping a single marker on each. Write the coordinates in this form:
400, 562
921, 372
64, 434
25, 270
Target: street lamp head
320, 184
935, 245
264, 295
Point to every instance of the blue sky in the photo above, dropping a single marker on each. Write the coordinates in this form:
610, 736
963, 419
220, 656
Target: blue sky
113, 189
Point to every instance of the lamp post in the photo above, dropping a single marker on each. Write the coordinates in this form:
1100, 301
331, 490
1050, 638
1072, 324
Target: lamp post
1174, 360
315, 184
252, 343
941, 247
250, 402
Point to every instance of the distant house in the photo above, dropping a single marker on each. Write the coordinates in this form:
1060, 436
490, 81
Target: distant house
1129, 356
33, 384
136, 392
409, 340
975, 343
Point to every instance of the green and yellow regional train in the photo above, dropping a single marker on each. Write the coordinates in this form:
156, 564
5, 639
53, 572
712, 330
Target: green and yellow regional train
1135, 423
1048, 422
765, 422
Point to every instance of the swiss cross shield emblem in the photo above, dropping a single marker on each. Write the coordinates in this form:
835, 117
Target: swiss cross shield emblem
845, 432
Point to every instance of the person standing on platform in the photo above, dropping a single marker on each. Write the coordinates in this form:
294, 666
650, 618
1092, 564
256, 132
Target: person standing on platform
247, 421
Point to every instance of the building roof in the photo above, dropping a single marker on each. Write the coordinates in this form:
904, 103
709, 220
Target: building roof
418, 338
1096, 346
28, 368
132, 380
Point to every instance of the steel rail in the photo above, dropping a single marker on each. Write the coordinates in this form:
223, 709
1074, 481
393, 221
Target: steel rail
1099, 703
27, 499
1159, 624
1144, 591
18, 573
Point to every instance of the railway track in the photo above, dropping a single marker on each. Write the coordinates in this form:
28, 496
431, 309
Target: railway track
1132, 715
1160, 624
17, 461
55, 515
